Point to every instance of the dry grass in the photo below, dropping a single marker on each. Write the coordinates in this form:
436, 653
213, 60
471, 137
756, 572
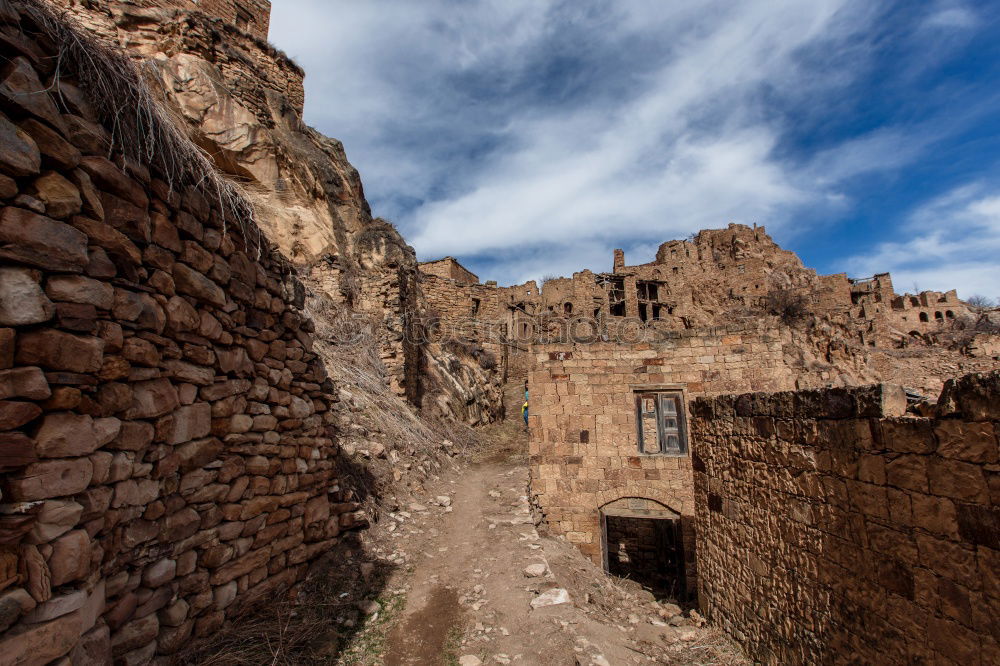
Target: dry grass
139, 127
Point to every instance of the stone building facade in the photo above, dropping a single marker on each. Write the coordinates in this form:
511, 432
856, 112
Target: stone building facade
833, 527
167, 454
716, 276
592, 451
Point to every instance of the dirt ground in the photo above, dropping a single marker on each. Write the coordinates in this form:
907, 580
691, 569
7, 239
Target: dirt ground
446, 581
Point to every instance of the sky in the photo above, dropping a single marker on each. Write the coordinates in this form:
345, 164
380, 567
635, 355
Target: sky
532, 137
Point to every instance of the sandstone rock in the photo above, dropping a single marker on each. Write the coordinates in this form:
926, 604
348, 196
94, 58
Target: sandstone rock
188, 372
94, 648
22, 301
24, 383
16, 451
109, 177
40, 643
159, 573
70, 559
175, 614
16, 414
20, 87
152, 398
65, 434
225, 595
50, 478
92, 206
14, 604
60, 196
19, 155
185, 424
135, 634
110, 239
54, 518
37, 573
106, 429
56, 350
57, 606
189, 281
133, 436
79, 289
173, 639
41, 241
56, 150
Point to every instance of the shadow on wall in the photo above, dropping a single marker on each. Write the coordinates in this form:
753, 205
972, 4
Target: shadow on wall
316, 621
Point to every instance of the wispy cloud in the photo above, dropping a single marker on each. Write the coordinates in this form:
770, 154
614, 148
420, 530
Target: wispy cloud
952, 240
532, 136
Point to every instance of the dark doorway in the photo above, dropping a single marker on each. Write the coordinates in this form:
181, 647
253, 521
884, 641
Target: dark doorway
649, 551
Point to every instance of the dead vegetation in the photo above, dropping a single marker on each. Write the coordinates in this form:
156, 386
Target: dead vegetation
790, 305
141, 130
316, 623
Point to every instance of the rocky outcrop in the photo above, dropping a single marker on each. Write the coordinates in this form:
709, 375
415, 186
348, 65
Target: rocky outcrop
241, 101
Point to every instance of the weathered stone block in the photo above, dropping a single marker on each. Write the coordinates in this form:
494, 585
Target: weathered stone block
22, 301
152, 398
65, 434
50, 478
186, 423
16, 414
40, 643
19, 154
70, 559
24, 383
79, 289
56, 350
40, 241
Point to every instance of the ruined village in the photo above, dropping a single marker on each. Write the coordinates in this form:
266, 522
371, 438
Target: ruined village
240, 423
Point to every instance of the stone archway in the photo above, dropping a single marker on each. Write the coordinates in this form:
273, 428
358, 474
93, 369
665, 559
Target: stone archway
643, 540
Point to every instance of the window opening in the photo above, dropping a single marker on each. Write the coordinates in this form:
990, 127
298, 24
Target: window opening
661, 426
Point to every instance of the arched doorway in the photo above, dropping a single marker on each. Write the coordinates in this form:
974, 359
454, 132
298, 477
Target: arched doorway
642, 540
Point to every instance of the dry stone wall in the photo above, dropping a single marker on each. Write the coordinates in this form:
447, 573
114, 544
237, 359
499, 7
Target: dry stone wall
166, 453
833, 529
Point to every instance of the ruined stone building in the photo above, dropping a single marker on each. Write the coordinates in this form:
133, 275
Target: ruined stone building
174, 446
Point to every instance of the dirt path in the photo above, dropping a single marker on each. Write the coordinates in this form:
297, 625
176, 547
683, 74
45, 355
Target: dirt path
458, 575
471, 597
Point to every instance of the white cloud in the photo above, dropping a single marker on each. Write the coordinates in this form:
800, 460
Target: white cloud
542, 131
951, 242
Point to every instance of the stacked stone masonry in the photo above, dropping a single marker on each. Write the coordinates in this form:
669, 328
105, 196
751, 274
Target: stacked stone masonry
832, 528
166, 453
717, 276
584, 451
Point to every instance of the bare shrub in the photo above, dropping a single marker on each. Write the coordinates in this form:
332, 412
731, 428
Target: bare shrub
788, 304
140, 128
980, 303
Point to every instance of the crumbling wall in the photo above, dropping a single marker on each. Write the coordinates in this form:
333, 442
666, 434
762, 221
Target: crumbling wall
165, 446
834, 529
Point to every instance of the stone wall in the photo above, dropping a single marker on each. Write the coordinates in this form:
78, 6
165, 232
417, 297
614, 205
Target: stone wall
834, 529
165, 447
584, 445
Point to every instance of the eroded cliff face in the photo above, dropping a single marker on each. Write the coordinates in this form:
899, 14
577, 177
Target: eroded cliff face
241, 101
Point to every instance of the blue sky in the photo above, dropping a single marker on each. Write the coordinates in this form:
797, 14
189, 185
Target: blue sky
531, 137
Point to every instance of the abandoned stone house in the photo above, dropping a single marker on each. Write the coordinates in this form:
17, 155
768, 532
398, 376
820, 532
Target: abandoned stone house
690, 284
168, 432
